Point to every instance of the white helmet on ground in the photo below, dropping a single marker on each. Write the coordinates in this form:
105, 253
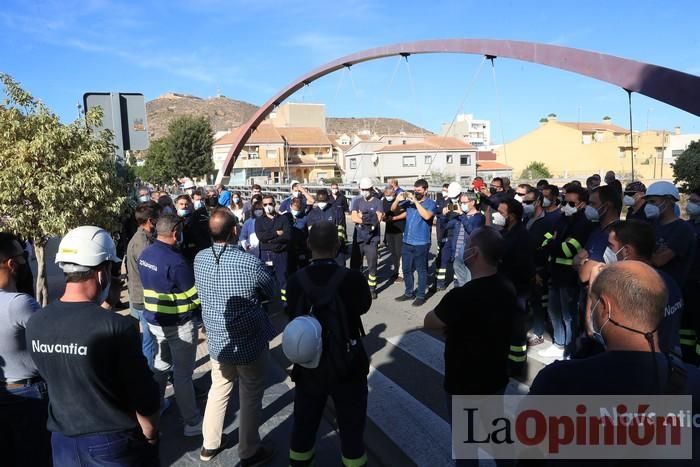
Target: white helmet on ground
454, 190
663, 188
301, 341
365, 183
85, 247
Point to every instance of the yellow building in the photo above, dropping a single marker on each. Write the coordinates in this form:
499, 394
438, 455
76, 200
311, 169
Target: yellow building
575, 150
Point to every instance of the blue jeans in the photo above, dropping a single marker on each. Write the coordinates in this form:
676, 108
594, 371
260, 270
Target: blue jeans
24, 439
562, 308
462, 273
148, 342
120, 449
415, 258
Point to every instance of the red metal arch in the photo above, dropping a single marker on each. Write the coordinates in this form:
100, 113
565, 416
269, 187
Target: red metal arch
678, 89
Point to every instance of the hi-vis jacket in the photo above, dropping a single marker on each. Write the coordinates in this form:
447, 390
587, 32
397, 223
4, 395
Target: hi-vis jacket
569, 236
169, 294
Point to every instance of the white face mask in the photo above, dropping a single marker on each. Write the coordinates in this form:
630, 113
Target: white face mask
144, 198
389, 198
546, 202
198, 204
569, 210
610, 257
295, 194
321, 205
444, 194
465, 207
518, 198
498, 219
693, 209
334, 191
628, 200
366, 193
269, 209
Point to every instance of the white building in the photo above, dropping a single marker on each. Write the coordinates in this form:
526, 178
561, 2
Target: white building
468, 129
677, 143
410, 157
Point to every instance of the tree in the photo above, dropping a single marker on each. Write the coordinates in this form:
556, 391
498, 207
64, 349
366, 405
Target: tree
686, 168
184, 152
53, 177
536, 170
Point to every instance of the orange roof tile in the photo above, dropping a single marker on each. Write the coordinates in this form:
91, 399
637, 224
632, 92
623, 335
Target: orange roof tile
264, 133
430, 143
491, 165
304, 136
590, 127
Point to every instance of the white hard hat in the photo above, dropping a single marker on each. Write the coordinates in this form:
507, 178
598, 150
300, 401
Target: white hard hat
188, 184
301, 341
85, 247
365, 183
663, 189
454, 190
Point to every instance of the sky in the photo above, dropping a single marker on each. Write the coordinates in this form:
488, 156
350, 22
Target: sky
250, 49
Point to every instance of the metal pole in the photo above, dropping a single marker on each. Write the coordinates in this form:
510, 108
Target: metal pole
629, 97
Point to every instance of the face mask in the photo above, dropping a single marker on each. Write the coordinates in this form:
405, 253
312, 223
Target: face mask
546, 202
592, 214
628, 200
295, 194
597, 334
321, 205
693, 209
366, 193
610, 256
418, 196
105, 291
295, 213
528, 209
651, 211
467, 256
498, 219
519, 198
236, 199
269, 209
334, 191
569, 210
183, 212
258, 212
492, 190
465, 207
198, 204
389, 198
144, 198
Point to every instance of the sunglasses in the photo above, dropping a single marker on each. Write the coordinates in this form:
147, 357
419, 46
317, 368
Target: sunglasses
571, 203
520, 194
268, 204
528, 201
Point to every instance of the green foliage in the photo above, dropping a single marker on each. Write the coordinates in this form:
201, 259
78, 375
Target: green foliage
438, 178
53, 177
686, 168
536, 170
184, 152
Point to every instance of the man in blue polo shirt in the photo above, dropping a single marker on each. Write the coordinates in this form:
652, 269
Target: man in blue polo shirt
416, 239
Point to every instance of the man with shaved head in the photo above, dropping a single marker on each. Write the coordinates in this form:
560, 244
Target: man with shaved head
232, 286
626, 306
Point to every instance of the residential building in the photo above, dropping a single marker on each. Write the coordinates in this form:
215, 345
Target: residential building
409, 157
309, 154
468, 129
579, 149
487, 167
299, 114
677, 143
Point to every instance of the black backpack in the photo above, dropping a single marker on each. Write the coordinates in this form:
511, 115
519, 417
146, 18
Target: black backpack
342, 358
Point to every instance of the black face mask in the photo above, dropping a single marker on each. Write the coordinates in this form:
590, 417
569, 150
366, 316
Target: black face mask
419, 196
492, 190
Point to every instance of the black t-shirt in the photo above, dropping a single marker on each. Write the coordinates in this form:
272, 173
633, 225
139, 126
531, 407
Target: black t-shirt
479, 318
96, 373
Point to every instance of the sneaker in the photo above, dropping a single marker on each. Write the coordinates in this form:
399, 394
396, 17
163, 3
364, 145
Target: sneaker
261, 457
403, 298
193, 430
535, 341
418, 302
552, 351
208, 454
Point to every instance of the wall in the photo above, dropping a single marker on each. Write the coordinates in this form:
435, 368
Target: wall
294, 114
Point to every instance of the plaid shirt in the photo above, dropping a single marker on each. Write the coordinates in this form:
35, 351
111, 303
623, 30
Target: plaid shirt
231, 292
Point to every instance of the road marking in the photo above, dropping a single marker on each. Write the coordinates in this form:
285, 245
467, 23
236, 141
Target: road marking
423, 347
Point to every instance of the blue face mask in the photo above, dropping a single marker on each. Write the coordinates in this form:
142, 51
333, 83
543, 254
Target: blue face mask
294, 212
183, 212
652, 211
144, 198
597, 334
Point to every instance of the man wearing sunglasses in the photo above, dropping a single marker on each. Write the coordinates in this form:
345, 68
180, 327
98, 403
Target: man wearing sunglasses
274, 231
24, 439
634, 199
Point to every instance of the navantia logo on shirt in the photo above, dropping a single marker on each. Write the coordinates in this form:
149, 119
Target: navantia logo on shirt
67, 349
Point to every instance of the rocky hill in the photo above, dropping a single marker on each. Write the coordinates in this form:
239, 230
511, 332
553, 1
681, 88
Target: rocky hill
225, 113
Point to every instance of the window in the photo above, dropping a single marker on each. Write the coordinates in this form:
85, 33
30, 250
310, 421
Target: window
465, 159
449, 158
598, 136
317, 153
428, 159
622, 153
253, 155
677, 152
409, 161
403, 142
388, 142
321, 175
586, 138
271, 153
353, 163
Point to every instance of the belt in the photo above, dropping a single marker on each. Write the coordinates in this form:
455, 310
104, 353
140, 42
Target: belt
22, 382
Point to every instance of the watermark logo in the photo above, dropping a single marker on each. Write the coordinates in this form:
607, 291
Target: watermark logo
573, 427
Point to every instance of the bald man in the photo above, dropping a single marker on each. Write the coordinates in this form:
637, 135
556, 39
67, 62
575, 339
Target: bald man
626, 306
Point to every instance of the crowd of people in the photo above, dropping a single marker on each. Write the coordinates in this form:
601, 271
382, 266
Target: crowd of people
86, 388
